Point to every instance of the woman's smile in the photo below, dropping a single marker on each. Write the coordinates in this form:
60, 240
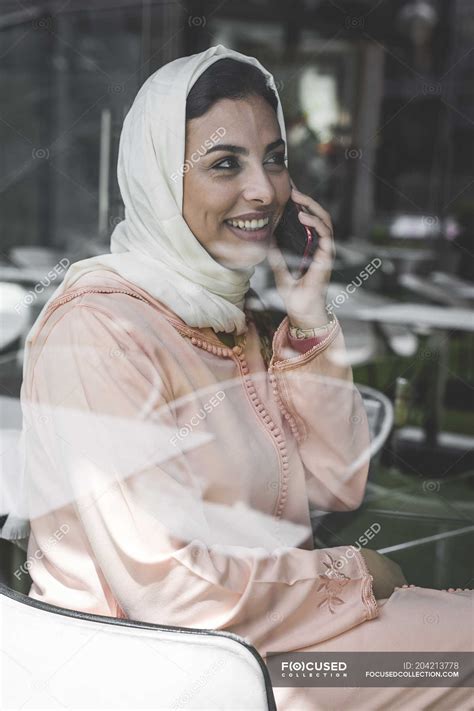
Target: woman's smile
254, 227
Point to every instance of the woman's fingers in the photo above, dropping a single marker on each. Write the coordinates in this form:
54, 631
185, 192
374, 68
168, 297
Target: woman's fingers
313, 206
325, 250
314, 216
319, 225
321, 221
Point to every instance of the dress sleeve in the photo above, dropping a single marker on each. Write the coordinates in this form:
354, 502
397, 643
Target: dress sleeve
302, 345
103, 410
316, 393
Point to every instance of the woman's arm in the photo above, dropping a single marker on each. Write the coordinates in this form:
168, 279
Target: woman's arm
101, 410
386, 573
327, 415
315, 388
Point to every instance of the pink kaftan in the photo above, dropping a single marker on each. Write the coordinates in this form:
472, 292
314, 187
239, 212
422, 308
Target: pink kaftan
181, 472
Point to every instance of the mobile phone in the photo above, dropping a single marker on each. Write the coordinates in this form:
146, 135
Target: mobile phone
296, 241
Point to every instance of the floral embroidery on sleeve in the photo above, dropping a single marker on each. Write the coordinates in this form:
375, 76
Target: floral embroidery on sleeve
334, 567
333, 581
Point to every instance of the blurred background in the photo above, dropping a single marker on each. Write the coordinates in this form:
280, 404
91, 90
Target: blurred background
379, 105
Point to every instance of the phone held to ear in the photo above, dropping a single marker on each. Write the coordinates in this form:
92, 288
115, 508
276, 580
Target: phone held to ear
296, 241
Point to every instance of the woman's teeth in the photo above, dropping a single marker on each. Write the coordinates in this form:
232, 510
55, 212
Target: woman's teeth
249, 224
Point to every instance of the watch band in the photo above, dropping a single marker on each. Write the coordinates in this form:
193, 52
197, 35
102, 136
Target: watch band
301, 333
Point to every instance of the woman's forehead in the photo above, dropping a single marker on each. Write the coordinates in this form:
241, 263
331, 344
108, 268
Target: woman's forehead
236, 120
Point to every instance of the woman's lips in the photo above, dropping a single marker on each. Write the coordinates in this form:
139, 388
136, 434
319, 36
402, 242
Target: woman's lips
251, 235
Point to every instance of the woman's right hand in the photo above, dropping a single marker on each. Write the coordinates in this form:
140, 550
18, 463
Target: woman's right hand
387, 575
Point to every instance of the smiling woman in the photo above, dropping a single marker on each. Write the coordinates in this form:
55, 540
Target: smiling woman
184, 514
235, 195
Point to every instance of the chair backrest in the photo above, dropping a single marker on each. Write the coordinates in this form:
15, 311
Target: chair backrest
379, 411
53, 657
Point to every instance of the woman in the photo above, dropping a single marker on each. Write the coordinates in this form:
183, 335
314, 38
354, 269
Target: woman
175, 452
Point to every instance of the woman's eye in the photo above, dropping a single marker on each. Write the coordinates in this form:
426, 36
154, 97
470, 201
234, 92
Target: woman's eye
277, 159
226, 164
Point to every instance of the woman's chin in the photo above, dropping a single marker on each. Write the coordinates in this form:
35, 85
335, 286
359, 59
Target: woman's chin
240, 256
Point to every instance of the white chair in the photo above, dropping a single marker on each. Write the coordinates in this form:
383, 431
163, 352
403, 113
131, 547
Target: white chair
58, 658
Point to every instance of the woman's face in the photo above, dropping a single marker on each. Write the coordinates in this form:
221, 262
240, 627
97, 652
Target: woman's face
237, 184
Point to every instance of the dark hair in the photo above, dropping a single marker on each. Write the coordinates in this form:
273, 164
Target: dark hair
227, 79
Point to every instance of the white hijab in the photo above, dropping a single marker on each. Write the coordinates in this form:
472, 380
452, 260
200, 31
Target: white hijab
153, 246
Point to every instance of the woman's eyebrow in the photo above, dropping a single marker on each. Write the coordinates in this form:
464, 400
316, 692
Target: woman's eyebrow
230, 148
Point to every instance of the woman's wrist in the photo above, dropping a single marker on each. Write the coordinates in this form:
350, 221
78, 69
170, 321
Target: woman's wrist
315, 329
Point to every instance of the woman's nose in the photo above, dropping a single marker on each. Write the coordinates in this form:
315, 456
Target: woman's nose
258, 187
